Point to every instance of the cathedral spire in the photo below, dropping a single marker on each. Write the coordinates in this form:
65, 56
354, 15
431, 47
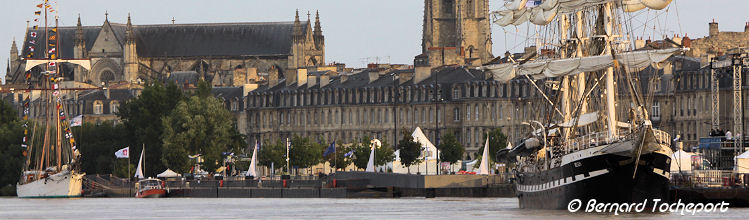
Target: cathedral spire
130, 32
79, 31
297, 25
318, 29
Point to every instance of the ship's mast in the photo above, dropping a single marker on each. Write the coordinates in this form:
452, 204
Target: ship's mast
610, 88
580, 78
564, 85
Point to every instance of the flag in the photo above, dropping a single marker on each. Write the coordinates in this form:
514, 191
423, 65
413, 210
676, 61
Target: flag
33, 34
330, 150
123, 153
52, 64
349, 154
32, 42
288, 148
38, 12
53, 37
36, 27
40, 5
31, 48
77, 121
54, 30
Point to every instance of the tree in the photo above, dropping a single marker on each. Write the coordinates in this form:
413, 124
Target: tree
11, 152
362, 150
97, 144
272, 154
304, 153
409, 150
338, 160
199, 125
142, 119
450, 149
497, 141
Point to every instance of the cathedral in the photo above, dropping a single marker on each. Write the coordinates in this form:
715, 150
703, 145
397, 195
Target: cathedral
225, 54
456, 32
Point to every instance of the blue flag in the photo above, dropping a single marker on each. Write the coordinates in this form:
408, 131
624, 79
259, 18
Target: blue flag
350, 153
330, 150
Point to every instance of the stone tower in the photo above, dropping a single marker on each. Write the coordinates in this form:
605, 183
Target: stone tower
319, 38
130, 54
79, 51
457, 32
13, 62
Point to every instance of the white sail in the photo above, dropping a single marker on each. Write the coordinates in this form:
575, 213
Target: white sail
541, 69
484, 167
252, 171
515, 12
30, 63
139, 170
370, 163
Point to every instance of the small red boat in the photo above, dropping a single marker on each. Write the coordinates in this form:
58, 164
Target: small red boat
150, 188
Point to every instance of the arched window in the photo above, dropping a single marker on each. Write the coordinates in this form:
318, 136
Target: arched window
98, 108
106, 76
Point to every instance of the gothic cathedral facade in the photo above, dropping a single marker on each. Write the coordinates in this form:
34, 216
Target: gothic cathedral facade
457, 32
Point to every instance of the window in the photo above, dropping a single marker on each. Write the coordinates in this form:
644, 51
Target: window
456, 114
468, 112
477, 112
234, 105
98, 108
656, 111
114, 107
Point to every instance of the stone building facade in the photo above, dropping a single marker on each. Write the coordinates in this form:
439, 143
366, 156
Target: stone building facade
457, 32
372, 102
226, 54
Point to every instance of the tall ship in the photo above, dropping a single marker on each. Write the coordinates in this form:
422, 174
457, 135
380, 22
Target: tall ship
51, 168
595, 139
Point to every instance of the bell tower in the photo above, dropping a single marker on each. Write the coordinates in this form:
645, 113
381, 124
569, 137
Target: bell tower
457, 32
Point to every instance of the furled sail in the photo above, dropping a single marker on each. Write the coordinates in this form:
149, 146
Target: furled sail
540, 69
86, 64
517, 12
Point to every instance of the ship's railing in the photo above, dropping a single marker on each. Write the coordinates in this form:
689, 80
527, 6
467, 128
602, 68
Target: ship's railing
592, 140
662, 137
709, 178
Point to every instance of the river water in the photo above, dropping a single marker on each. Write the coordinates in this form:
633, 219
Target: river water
402, 208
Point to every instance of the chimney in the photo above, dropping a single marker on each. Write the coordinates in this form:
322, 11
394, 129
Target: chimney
373, 75
247, 88
713, 28
301, 77
746, 27
311, 81
273, 77
404, 76
422, 70
324, 80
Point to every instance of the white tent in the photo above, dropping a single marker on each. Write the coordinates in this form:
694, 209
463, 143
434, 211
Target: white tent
681, 161
168, 173
429, 151
742, 163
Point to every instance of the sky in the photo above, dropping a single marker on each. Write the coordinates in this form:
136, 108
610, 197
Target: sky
356, 32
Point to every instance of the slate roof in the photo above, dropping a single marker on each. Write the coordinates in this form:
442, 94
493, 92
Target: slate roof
447, 75
114, 94
184, 40
190, 77
227, 92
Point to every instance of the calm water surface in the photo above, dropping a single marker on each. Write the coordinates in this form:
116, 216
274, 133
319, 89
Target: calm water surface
403, 208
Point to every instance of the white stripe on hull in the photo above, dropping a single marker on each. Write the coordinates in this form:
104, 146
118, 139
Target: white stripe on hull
63, 184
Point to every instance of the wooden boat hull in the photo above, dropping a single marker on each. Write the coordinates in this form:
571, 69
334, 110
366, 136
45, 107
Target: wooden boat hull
65, 184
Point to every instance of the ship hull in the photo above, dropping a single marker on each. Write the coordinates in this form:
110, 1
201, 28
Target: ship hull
606, 178
60, 185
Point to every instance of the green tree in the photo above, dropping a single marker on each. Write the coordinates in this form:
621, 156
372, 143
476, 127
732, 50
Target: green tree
272, 153
362, 150
304, 153
338, 160
497, 141
198, 125
97, 144
450, 149
409, 150
11, 152
142, 119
